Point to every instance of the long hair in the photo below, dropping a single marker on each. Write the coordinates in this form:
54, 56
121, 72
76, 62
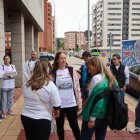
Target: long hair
40, 76
56, 64
102, 69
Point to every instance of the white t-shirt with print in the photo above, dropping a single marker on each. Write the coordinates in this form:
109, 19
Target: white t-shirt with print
10, 69
64, 84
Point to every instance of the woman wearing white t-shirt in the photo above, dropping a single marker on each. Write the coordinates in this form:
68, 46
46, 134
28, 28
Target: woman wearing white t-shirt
8, 85
67, 82
40, 96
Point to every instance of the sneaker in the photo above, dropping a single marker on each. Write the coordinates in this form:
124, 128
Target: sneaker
10, 112
134, 130
3, 116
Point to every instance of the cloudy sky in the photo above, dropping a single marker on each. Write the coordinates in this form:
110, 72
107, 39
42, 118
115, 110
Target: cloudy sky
71, 13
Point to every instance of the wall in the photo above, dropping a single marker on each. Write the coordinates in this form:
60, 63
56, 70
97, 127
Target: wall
36, 8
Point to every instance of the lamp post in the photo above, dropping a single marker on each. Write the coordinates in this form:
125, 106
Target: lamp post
55, 40
88, 21
80, 29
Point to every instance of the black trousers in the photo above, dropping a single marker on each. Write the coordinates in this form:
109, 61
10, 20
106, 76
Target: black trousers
71, 114
36, 129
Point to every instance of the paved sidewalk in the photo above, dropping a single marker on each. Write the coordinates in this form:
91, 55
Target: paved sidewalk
11, 128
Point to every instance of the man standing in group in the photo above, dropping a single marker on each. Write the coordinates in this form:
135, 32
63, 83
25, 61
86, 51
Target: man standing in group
121, 72
29, 65
85, 77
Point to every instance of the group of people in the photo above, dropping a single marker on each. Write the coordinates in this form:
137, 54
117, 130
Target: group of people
56, 91
7, 84
60, 92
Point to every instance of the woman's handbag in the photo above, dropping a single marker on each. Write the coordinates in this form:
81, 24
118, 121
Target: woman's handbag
53, 123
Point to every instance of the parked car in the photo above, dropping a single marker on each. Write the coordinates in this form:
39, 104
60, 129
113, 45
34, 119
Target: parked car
134, 83
47, 55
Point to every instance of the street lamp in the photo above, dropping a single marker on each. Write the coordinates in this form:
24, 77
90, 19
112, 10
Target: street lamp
80, 29
55, 40
88, 21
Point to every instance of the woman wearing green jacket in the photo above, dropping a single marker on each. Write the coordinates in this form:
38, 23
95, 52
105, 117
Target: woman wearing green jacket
94, 117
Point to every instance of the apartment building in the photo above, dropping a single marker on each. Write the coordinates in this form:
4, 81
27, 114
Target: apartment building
46, 38
120, 18
134, 19
74, 39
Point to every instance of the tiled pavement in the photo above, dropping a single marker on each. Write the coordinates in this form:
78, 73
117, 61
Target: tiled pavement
11, 128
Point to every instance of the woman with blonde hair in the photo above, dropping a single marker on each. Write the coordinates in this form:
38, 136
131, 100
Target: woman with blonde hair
67, 81
94, 118
41, 95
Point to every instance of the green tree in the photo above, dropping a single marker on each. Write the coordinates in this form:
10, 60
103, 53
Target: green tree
60, 43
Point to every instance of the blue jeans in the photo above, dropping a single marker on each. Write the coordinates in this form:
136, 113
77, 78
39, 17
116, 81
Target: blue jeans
137, 113
122, 96
100, 130
7, 96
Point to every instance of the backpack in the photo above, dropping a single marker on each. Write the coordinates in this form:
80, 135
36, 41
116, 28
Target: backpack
117, 111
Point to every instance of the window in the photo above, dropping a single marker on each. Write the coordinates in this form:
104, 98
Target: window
135, 29
114, 8
136, 3
135, 8
114, 3
134, 19
114, 29
114, 24
112, 14
114, 19
136, 14
135, 34
135, 24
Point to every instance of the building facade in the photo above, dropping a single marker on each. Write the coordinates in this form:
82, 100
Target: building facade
46, 38
23, 19
118, 18
74, 39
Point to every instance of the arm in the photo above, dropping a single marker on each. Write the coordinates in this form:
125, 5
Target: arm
54, 96
77, 90
126, 72
25, 71
1, 72
13, 73
55, 100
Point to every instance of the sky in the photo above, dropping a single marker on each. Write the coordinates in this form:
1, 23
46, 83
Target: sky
71, 15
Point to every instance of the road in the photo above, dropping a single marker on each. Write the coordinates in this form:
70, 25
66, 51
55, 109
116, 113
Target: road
77, 62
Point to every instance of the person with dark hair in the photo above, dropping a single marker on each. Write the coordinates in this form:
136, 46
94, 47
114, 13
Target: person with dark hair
67, 82
8, 85
121, 72
85, 77
94, 116
41, 97
29, 65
